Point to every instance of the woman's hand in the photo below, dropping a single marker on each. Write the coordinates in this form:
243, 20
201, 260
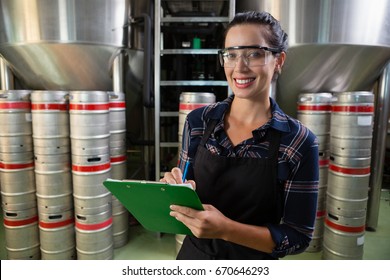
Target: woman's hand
210, 223
175, 177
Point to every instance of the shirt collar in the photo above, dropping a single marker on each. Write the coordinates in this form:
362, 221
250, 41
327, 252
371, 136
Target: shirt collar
279, 120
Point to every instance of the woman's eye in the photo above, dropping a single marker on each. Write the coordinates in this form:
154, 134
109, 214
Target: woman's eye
254, 55
231, 56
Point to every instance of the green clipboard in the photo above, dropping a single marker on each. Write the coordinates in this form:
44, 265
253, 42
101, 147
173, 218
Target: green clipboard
149, 202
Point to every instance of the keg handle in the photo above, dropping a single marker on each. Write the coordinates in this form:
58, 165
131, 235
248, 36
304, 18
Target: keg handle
113, 95
333, 217
67, 96
304, 99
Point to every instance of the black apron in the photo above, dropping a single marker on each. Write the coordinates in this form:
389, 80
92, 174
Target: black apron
243, 189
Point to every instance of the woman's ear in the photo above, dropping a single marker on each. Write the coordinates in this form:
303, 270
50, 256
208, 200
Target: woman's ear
278, 65
280, 61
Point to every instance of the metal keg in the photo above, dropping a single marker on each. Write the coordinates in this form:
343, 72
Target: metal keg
119, 167
343, 238
53, 182
352, 123
54, 162
94, 238
90, 147
315, 244
21, 234
53, 175
89, 173
57, 236
15, 113
17, 180
348, 183
189, 101
17, 172
314, 111
89, 114
118, 144
54, 204
117, 112
350, 147
50, 117
120, 223
323, 162
51, 146
16, 143
92, 204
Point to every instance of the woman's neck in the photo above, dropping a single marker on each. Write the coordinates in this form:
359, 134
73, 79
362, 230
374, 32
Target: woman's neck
251, 112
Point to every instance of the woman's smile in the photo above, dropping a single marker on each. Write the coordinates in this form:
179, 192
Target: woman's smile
243, 82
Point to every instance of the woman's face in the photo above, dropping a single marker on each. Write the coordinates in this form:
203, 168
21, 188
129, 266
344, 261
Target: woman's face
250, 82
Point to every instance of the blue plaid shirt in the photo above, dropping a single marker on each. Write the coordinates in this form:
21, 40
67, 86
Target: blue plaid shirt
297, 167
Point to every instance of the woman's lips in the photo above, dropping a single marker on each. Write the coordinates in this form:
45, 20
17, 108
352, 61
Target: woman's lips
243, 83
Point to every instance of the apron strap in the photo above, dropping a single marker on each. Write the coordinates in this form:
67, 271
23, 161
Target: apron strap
274, 143
209, 129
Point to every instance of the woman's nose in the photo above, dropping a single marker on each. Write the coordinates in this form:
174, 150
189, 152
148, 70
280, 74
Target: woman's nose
241, 62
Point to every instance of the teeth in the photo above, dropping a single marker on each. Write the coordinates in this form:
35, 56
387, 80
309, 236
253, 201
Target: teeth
243, 81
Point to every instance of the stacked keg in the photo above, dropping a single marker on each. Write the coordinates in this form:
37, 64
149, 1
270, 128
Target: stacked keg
314, 111
189, 101
117, 123
17, 176
348, 176
90, 153
53, 177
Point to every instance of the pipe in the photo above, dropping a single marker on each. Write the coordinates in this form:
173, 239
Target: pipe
157, 105
147, 94
117, 73
382, 109
6, 76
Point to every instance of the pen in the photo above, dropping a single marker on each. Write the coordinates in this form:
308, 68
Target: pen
185, 171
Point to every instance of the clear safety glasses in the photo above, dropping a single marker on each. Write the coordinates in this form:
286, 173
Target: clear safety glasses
251, 55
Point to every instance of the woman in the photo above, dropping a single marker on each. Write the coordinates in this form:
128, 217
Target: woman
254, 168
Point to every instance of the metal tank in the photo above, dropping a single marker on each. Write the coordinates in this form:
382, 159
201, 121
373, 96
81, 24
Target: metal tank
62, 44
74, 45
336, 46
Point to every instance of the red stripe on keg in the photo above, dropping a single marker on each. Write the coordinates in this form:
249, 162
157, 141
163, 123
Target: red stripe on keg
49, 106
89, 107
345, 228
118, 159
191, 106
12, 223
117, 105
94, 226
323, 162
353, 109
91, 168
350, 171
56, 224
15, 105
314, 108
321, 213
16, 165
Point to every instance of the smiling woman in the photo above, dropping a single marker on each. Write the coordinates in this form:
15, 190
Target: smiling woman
255, 168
